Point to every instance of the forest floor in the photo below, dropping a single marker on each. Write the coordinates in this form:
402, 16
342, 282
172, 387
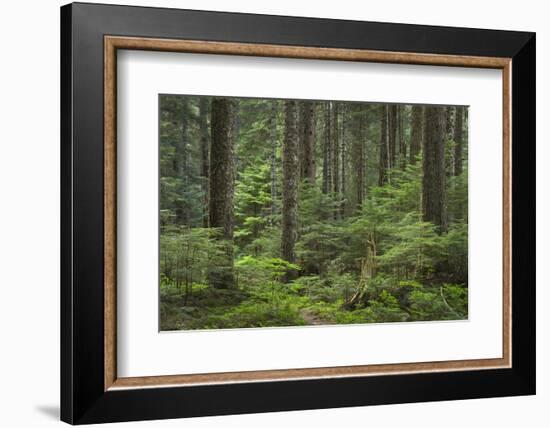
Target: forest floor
312, 319
271, 304
205, 309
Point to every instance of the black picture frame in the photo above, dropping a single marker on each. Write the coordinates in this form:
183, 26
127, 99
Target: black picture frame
83, 399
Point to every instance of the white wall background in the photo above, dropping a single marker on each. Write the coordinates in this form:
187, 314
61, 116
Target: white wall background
29, 214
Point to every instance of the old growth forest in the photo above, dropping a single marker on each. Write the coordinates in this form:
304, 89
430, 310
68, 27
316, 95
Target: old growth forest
290, 212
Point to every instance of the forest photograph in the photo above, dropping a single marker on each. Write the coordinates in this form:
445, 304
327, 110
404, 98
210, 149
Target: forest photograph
283, 212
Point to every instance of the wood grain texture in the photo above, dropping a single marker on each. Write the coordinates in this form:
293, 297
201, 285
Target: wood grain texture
264, 50
112, 43
296, 374
507, 212
110, 220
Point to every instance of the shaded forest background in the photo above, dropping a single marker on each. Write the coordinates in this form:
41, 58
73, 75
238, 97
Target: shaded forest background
285, 212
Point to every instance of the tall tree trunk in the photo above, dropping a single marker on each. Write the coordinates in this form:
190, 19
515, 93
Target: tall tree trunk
358, 155
290, 185
449, 136
401, 135
273, 159
335, 136
182, 164
327, 177
434, 207
449, 116
335, 149
417, 116
205, 154
301, 113
343, 110
308, 142
392, 130
384, 152
222, 184
458, 139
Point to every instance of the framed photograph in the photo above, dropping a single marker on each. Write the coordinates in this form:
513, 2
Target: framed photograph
266, 213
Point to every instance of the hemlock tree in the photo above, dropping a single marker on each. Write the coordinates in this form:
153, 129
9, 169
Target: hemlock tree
416, 132
290, 184
327, 175
401, 133
434, 208
449, 123
222, 188
343, 161
384, 162
273, 158
308, 141
182, 163
458, 137
358, 155
335, 150
392, 134
205, 152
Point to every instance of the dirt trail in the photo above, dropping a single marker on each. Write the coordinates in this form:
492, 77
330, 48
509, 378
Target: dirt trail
311, 318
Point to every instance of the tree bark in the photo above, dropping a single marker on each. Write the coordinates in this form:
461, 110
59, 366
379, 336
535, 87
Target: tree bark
273, 159
458, 139
449, 122
290, 184
401, 134
308, 142
384, 154
222, 184
358, 155
335, 150
434, 207
343, 110
301, 112
182, 164
327, 177
205, 154
416, 132
392, 130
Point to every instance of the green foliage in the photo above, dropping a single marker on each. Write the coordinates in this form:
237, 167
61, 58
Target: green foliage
371, 263
252, 207
259, 270
188, 255
457, 197
412, 248
331, 288
385, 309
320, 239
182, 188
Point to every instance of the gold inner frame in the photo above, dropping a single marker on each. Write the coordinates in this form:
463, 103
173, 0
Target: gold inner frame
113, 43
